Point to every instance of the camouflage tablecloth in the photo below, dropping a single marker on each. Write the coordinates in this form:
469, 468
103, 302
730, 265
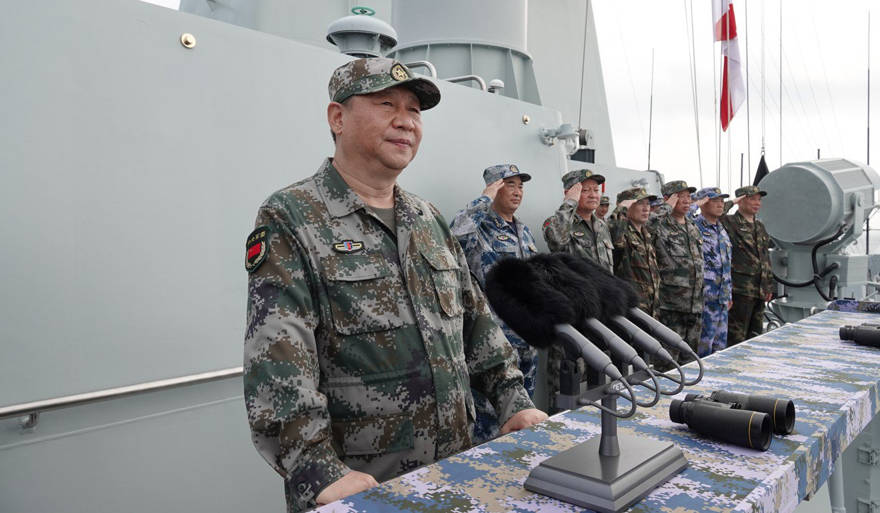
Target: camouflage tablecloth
834, 385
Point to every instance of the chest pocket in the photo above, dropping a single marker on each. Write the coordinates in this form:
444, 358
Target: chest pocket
364, 295
677, 245
506, 247
444, 274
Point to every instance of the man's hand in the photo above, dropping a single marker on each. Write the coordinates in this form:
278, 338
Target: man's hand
702, 201
523, 418
737, 200
492, 189
672, 200
768, 297
349, 484
730, 304
626, 203
574, 192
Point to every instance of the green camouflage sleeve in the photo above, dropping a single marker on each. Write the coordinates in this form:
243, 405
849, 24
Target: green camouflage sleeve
727, 206
492, 363
768, 284
557, 228
288, 417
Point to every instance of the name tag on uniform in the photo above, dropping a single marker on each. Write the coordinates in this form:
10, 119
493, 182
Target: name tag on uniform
348, 246
533, 248
503, 238
578, 234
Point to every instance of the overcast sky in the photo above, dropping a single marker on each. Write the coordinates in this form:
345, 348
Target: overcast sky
824, 83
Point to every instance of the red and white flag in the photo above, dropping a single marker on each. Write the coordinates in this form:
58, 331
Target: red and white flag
733, 90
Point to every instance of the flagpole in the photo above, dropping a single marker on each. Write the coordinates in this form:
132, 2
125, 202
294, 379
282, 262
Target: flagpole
651, 110
868, 220
748, 103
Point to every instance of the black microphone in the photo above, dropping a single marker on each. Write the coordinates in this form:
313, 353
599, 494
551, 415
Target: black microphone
523, 295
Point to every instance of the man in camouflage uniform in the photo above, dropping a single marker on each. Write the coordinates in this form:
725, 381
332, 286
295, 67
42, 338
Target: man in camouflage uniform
488, 231
716, 269
680, 258
604, 204
635, 259
752, 275
574, 228
365, 330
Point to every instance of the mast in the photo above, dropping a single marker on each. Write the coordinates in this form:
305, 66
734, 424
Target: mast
868, 124
651, 109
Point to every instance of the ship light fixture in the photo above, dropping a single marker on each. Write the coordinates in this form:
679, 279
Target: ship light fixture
565, 133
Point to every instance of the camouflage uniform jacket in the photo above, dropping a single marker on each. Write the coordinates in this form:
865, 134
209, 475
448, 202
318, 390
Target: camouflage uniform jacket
487, 238
716, 262
566, 231
680, 260
750, 248
635, 259
362, 344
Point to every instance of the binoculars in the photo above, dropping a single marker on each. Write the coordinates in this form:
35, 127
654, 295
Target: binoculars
741, 419
867, 334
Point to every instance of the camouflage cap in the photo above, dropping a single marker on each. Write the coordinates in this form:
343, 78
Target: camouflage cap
710, 192
365, 76
749, 190
604, 200
578, 176
676, 186
502, 171
635, 193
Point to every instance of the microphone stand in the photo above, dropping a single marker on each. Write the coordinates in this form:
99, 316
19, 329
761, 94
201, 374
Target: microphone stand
611, 472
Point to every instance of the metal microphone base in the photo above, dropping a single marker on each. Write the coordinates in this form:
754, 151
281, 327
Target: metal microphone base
608, 484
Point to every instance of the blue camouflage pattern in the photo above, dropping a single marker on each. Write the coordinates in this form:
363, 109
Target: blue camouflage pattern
487, 238
834, 384
716, 286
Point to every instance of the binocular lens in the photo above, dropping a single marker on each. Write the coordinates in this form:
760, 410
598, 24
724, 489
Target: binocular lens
781, 411
720, 421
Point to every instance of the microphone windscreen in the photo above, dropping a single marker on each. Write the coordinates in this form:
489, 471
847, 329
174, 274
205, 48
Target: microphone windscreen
556, 271
616, 295
526, 302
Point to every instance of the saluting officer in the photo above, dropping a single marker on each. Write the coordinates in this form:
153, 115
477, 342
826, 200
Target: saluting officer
680, 259
488, 230
365, 328
635, 259
716, 269
751, 271
574, 228
604, 205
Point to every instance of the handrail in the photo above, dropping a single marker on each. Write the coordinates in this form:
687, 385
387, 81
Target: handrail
468, 78
423, 64
35, 407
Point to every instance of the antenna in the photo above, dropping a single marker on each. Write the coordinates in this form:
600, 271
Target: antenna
651, 109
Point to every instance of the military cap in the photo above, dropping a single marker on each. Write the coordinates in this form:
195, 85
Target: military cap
635, 193
365, 76
749, 190
604, 200
502, 171
657, 202
710, 192
676, 186
578, 176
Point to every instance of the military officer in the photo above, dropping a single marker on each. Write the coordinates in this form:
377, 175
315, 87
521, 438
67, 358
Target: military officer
716, 269
635, 259
365, 329
574, 228
604, 204
680, 259
751, 272
488, 230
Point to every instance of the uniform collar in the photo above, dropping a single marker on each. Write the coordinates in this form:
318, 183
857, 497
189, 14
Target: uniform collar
340, 199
